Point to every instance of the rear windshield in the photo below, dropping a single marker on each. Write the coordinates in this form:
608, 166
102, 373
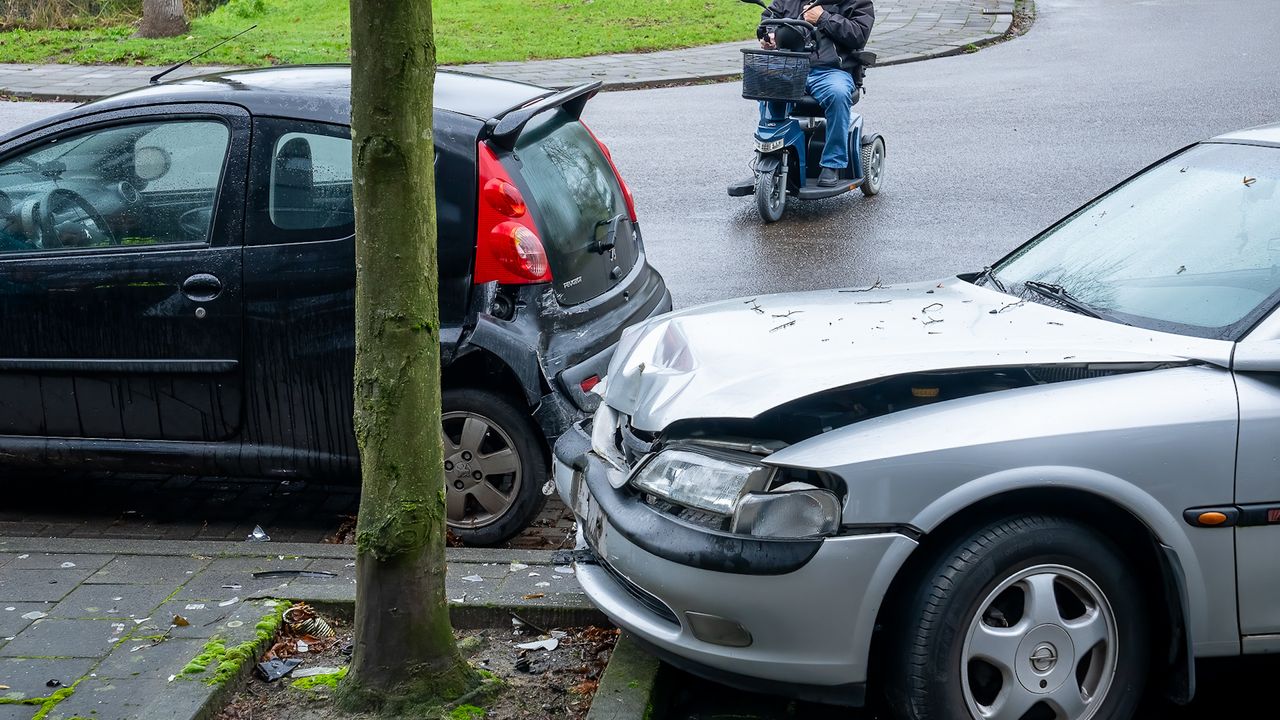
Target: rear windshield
577, 198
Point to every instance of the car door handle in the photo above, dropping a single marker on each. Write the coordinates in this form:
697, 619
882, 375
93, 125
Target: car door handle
202, 287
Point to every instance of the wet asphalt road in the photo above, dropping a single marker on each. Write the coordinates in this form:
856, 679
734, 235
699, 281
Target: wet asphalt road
984, 149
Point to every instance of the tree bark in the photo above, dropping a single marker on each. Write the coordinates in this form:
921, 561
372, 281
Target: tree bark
405, 654
162, 18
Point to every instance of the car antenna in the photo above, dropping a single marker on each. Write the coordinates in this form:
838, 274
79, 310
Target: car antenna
156, 78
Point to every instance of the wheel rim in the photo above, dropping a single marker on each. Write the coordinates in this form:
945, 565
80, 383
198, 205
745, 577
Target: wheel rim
1043, 639
876, 166
482, 471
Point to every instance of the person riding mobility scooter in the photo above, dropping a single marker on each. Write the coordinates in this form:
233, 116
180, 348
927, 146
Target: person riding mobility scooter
808, 66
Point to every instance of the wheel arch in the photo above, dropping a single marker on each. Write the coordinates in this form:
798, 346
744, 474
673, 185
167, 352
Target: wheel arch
1162, 564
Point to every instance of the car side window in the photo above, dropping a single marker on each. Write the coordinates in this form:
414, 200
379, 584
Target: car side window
302, 182
139, 184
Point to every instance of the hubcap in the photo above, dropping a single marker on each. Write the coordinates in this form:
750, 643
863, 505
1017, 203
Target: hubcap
877, 164
1043, 638
481, 470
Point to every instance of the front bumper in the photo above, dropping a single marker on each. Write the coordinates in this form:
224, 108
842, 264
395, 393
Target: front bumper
810, 621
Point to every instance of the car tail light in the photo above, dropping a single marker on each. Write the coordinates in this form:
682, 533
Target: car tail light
589, 384
626, 191
508, 249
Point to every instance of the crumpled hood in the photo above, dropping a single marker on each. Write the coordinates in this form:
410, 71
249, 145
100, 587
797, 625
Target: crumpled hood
739, 358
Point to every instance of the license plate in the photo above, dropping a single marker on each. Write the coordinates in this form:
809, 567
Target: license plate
593, 525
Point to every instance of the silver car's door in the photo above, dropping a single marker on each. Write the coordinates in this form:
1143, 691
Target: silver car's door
1257, 366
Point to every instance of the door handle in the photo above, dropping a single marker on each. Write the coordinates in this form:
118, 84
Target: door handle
202, 287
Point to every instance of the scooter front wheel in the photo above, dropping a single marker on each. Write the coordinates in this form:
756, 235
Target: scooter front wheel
771, 194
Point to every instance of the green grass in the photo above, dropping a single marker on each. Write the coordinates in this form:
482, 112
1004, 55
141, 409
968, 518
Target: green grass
312, 31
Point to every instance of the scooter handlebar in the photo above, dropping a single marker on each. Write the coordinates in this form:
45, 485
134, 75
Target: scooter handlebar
801, 24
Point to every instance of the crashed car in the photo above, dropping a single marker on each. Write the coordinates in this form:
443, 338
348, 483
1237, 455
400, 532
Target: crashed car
1016, 493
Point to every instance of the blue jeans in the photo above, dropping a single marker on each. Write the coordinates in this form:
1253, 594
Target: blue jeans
832, 88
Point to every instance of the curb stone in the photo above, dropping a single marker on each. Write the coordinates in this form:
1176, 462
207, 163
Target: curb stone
629, 686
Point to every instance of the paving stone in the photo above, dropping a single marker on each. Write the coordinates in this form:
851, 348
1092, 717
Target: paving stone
111, 601
233, 623
18, 712
149, 570
29, 677
12, 622
53, 637
51, 561
142, 658
133, 698
39, 585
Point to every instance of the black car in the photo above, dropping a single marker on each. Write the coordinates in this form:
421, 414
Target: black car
177, 283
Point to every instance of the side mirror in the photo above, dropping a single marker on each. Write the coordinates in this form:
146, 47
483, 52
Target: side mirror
761, 3
1257, 356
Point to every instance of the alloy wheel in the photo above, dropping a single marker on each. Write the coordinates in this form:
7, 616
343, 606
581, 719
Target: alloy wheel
1043, 644
482, 470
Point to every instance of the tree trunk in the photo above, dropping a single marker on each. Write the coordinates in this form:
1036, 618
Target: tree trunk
162, 18
404, 652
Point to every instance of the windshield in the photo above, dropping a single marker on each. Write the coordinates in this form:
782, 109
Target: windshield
1190, 246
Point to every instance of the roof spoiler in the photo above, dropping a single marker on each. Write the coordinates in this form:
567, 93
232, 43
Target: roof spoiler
505, 130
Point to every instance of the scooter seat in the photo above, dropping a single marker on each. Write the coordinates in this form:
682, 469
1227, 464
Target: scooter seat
809, 107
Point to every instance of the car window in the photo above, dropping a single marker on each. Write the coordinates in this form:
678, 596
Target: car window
310, 183
126, 185
1190, 246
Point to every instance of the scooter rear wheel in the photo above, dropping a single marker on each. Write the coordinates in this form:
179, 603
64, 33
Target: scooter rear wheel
771, 194
873, 167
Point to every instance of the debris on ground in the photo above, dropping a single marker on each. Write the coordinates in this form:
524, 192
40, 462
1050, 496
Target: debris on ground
273, 670
258, 535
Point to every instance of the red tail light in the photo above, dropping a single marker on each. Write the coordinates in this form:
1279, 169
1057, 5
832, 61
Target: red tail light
508, 249
626, 191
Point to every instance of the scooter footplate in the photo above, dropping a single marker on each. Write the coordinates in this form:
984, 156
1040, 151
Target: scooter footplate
742, 189
812, 191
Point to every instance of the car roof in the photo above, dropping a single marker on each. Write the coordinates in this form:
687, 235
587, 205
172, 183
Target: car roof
1262, 134
321, 92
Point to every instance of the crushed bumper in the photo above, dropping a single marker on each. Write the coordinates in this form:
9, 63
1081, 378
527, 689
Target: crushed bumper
809, 623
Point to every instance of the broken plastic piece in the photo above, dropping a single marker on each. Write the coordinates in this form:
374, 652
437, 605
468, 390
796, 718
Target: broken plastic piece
258, 535
273, 670
269, 574
473, 578
34, 615
311, 672
549, 644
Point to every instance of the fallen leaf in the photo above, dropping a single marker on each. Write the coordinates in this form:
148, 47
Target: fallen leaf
180, 621
534, 596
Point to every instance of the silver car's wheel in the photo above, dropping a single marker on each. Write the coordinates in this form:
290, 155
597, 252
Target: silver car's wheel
1045, 636
1029, 618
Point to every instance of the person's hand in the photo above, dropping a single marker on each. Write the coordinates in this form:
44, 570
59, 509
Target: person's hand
813, 14
768, 43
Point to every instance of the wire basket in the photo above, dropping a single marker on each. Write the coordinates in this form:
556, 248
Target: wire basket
774, 74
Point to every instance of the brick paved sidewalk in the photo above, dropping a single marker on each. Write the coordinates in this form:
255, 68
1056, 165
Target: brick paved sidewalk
905, 31
87, 626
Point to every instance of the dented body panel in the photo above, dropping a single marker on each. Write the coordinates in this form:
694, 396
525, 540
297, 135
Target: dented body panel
739, 358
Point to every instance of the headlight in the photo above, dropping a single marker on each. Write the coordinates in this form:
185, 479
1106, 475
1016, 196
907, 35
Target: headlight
700, 481
794, 510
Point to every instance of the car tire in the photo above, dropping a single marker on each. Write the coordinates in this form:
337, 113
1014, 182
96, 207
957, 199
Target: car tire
992, 628
495, 466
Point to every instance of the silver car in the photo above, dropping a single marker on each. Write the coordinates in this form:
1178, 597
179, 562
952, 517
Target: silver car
1018, 493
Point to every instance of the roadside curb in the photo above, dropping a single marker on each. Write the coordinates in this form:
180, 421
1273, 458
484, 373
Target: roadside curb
629, 685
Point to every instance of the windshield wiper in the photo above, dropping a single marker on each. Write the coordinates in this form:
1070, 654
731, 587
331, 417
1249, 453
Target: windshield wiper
988, 274
1060, 295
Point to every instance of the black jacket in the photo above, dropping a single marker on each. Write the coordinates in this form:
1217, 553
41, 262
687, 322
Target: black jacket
843, 28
